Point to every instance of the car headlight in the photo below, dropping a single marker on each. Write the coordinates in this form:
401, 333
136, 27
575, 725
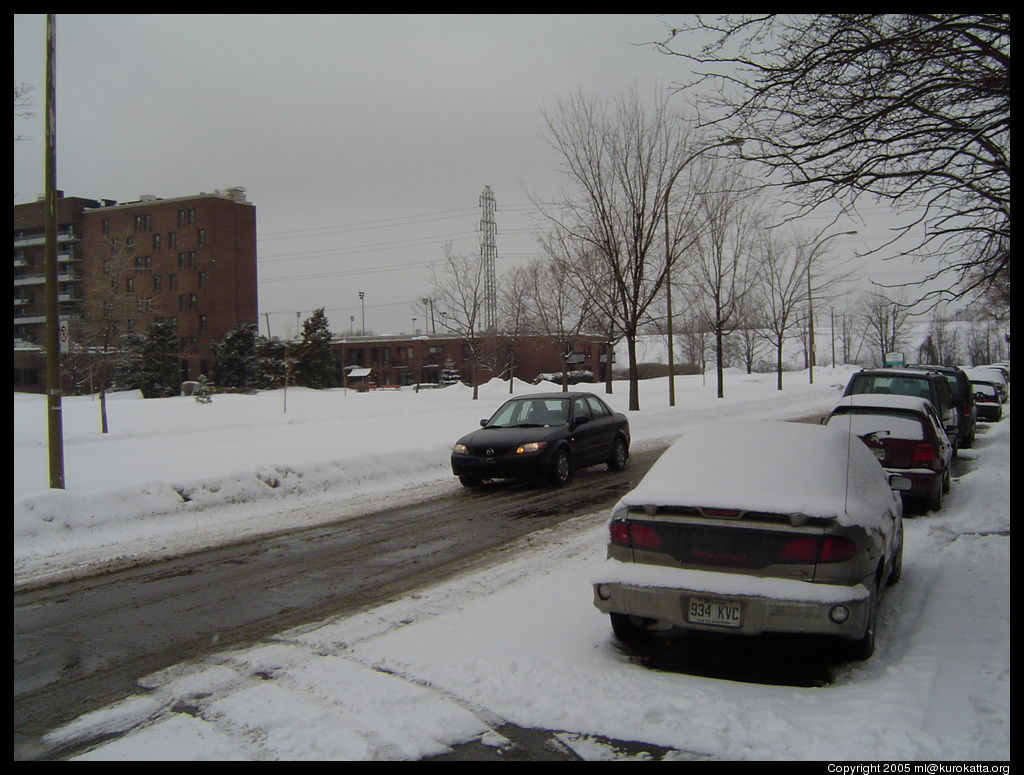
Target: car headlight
531, 446
460, 449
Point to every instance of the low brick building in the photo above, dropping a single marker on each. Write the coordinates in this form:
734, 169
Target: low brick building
409, 360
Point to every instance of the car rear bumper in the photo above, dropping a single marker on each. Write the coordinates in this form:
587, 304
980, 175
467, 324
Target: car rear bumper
925, 482
989, 411
796, 607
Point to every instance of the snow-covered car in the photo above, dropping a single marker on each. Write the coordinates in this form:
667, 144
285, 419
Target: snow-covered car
993, 375
544, 435
750, 528
906, 435
986, 396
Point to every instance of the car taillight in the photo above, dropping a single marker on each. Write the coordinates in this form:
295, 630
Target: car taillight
633, 534
619, 531
818, 549
924, 454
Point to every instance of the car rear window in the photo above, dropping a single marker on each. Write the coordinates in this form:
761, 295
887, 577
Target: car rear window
895, 385
900, 425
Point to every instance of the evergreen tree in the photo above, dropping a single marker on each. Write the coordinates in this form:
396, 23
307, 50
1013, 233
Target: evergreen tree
128, 365
160, 369
204, 390
236, 363
315, 366
449, 374
270, 355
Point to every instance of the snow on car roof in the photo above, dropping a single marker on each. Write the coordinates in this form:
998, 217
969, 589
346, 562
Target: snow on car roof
781, 467
884, 401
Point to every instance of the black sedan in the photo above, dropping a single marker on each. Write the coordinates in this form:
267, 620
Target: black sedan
545, 435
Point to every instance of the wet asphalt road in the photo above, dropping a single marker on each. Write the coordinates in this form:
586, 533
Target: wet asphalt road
80, 645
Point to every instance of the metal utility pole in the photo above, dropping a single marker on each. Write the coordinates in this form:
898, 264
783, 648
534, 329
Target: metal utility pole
54, 417
488, 254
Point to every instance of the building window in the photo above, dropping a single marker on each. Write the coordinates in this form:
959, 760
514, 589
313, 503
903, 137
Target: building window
201, 236
181, 217
202, 279
172, 281
172, 239
202, 322
157, 283
129, 285
156, 241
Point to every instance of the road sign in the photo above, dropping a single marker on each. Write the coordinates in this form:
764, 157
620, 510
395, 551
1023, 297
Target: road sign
64, 336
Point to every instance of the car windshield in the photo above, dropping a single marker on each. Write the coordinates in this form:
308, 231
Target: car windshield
531, 413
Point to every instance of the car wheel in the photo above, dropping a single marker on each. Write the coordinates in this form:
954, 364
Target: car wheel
864, 647
561, 468
620, 453
947, 482
935, 502
896, 573
470, 481
627, 630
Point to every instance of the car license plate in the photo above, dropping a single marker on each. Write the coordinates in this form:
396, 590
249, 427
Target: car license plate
715, 611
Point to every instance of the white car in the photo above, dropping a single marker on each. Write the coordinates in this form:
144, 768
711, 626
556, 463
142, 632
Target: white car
749, 528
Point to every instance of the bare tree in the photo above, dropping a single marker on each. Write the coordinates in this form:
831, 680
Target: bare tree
783, 291
912, 110
885, 323
623, 159
22, 103
723, 269
514, 316
558, 307
117, 301
459, 293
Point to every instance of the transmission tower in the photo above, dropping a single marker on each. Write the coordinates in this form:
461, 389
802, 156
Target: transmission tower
488, 254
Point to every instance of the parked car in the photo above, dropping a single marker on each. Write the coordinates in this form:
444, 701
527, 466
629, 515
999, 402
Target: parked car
757, 527
993, 375
911, 382
543, 435
986, 395
906, 436
963, 397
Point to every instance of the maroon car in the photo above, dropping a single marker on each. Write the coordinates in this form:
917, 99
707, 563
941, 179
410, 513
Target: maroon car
906, 435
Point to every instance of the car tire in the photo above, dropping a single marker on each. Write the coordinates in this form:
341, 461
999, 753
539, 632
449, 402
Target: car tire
896, 572
947, 482
934, 503
561, 468
864, 647
620, 454
627, 631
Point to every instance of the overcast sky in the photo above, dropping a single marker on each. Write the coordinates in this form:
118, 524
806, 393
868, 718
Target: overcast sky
364, 141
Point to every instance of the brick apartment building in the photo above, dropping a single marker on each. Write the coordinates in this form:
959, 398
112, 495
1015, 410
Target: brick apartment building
192, 259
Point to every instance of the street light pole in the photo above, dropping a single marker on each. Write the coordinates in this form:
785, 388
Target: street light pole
362, 305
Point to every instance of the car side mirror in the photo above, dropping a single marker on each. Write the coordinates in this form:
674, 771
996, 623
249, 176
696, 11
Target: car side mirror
900, 483
578, 421
483, 423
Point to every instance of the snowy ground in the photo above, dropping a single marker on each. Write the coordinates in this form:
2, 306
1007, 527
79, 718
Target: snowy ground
520, 642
